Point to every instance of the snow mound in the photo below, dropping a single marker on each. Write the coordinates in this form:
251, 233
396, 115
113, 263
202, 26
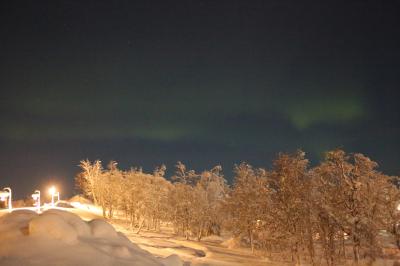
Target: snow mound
80, 226
59, 237
14, 224
101, 228
51, 225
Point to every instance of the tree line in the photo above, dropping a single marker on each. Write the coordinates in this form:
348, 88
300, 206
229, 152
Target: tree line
323, 214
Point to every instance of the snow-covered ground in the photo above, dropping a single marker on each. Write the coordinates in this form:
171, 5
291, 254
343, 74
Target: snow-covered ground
60, 237
76, 234
210, 251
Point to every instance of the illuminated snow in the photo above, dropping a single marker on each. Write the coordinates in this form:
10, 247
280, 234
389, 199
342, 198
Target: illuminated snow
57, 237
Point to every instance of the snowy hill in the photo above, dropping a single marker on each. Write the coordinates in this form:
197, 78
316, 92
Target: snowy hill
58, 237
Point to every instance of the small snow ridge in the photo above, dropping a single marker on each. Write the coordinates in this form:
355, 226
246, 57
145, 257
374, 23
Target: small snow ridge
172, 260
101, 228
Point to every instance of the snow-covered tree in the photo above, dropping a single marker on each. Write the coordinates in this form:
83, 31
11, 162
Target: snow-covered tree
89, 179
197, 200
291, 205
356, 199
247, 201
342, 202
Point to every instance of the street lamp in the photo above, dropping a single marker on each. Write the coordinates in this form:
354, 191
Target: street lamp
53, 192
36, 196
6, 193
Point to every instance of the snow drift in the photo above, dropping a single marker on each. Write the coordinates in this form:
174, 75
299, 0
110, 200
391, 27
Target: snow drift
58, 237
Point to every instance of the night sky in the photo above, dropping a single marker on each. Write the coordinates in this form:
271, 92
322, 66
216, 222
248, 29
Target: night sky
204, 82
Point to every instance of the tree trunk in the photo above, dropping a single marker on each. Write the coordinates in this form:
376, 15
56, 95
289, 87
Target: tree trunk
356, 249
296, 255
199, 235
343, 245
140, 227
251, 240
310, 245
110, 212
104, 211
187, 234
311, 249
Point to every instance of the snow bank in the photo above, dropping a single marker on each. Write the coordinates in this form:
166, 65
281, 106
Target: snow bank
58, 237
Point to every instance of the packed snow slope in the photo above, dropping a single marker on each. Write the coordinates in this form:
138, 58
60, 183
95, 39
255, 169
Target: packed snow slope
58, 237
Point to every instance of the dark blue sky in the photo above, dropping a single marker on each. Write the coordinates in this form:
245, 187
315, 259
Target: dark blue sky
204, 82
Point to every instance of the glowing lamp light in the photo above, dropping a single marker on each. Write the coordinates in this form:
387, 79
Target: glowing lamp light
52, 190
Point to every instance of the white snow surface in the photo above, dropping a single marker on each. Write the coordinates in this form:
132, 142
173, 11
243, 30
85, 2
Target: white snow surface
58, 237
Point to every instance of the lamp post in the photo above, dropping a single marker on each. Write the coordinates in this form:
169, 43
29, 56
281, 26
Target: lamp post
9, 198
9, 195
36, 196
53, 192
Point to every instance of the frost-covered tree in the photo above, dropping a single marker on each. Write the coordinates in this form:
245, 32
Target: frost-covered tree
145, 197
291, 204
131, 196
356, 200
155, 199
112, 179
197, 201
182, 200
89, 179
247, 202
211, 191
184, 176
342, 203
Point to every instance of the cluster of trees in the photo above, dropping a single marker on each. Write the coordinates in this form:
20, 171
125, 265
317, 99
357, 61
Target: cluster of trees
328, 212
192, 202
343, 202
